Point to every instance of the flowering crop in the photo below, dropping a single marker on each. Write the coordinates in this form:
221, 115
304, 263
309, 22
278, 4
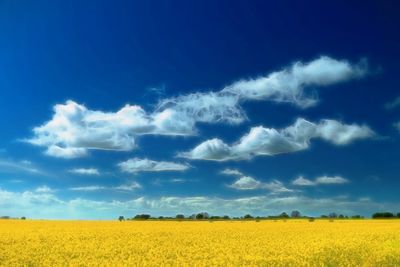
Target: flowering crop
200, 243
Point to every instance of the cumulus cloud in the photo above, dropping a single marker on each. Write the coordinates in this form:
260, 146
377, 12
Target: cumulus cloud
249, 183
124, 187
270, 141
145, 165
85, 171
322, 180
289, 84
74, 129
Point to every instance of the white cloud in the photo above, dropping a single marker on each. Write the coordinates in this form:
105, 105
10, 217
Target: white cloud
44, 189
74, 129
269, 141
88, 188
124, 187
289, 84
128, 187
301, 181
249, 183
85, 171
322, 180
145, 165
331, 180
246, 183
232, 172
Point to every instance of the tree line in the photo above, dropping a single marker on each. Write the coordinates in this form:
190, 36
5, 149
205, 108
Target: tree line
294, 214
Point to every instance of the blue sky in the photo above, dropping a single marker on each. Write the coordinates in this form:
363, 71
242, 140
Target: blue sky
222, 106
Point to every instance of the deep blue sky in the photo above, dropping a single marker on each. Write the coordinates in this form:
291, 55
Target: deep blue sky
106, 54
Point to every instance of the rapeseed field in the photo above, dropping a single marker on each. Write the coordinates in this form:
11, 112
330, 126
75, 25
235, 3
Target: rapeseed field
200, 243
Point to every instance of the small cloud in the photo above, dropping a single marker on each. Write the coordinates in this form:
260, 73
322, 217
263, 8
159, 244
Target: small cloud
44, 190
19, 166
331, 180
322, 180
128, 187
397, 125
394, 104
124, 187
145, 165
249, 183
232, 172
85, 171
301, 181
87, 188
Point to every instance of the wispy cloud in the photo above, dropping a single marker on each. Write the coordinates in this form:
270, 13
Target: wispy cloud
231, 172
322, 180
124, 187
9, 165
85, 171
270, 141
44, 189
393, 104
145, 165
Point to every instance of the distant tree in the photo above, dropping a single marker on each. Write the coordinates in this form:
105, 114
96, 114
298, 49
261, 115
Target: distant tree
180, 216
202, 215
226, 217
199, 216
398, 215
357, 217
23, 218
142, 217
160, 217
295, 214
332, 215
379, 215
215, 217
324, 216
121, 218
247, 216
284, 215
5, 217
341, 216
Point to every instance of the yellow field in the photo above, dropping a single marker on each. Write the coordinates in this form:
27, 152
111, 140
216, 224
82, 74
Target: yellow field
151, 243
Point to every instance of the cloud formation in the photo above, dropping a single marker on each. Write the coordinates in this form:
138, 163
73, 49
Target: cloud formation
322, 180
289, 84
269, 141
85, 171
74, 129
145, 165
